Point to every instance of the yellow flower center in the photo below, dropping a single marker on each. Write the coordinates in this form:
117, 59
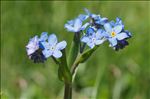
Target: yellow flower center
113, 34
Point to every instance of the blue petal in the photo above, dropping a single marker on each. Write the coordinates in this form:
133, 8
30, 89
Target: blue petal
104, 33
91, 44
108, 27
87, 11
77, 24
90, 31
61, 45
44, 36
82, 17
30, 51
122, 36
113, 41
34, 39
52, 39
98, 42
117, 29
118, 20
128, 33
57, 54
103, 21
33, 45
94, 16
100, 33
47, 53
112, 23
97, 19
45, 45
71, 22
85, 39
69, 28
41, 45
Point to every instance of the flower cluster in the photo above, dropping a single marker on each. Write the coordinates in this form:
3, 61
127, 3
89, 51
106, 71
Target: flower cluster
39, 49
90, 29
99, 29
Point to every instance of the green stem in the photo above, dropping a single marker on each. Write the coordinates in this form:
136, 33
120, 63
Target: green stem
68, 91
81, 58
74, 49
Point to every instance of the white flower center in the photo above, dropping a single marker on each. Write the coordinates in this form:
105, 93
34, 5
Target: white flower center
93, 39
52, 48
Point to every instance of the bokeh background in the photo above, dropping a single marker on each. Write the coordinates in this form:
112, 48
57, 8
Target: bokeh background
106, 75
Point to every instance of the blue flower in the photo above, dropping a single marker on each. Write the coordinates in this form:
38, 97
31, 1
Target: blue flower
33, 45
52, 47
92, 39
34, 50
83, 17
97, 19
76, 25
116, 35
90, 30
118, 22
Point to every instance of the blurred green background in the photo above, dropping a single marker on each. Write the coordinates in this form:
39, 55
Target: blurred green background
106, 75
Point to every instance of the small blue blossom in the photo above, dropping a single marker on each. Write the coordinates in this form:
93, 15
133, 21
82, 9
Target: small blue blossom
52, 47
83, 17
90, 30
33, 45
76, 25
92, 39
43, 37
34, 50
116, 35
118, 22
97, 19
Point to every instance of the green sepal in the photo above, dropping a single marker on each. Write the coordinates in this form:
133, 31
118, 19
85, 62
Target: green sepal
85, 55
82, 58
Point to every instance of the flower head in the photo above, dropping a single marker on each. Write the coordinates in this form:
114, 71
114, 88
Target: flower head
118, 22
52, 47
76, 25
34, 48
92, 39
96, 19
116, 34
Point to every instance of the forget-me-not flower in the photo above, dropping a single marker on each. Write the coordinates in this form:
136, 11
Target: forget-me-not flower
116, 35
96, 19
52, 47
92, 39
75, 25
118, 22
34, 48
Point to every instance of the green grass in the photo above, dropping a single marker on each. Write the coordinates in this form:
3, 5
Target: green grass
107, 74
